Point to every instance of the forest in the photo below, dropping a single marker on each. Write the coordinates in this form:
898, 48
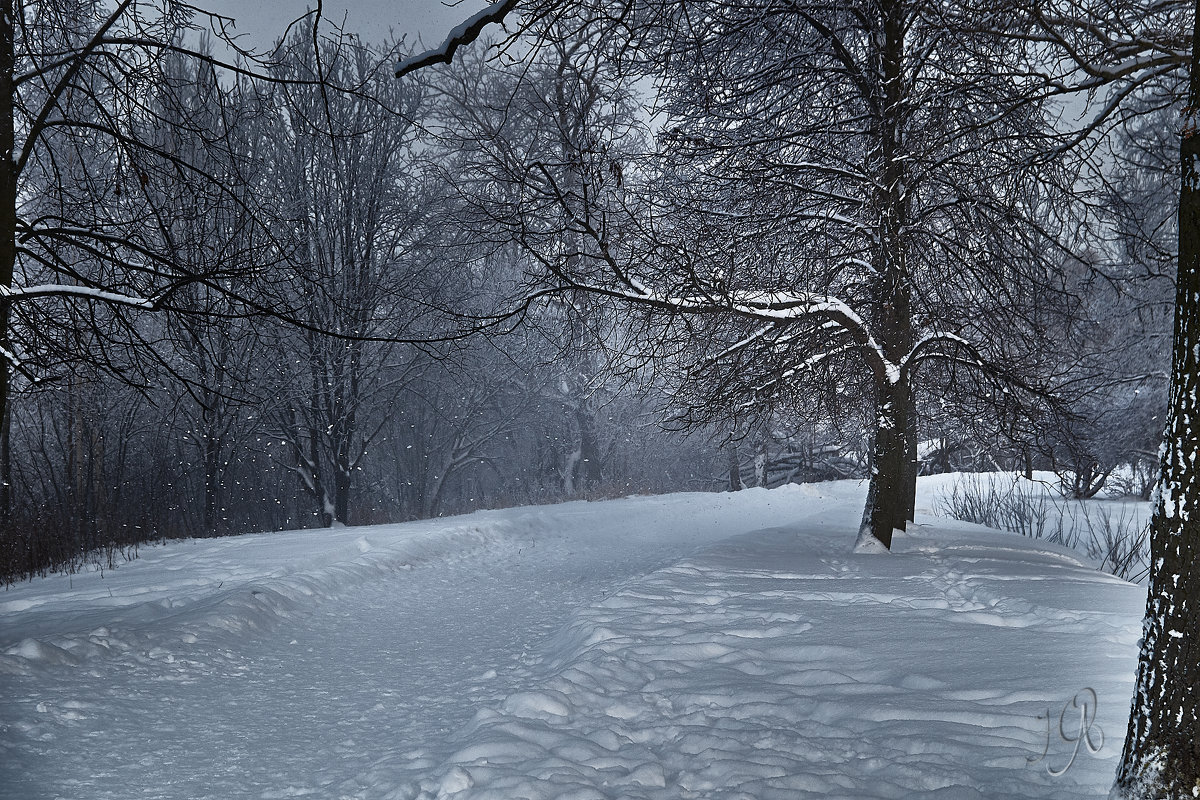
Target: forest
258, 291
604, 248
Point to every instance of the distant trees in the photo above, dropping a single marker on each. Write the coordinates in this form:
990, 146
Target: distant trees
239, 297
349, 213
505, 136
894, 231
105, 166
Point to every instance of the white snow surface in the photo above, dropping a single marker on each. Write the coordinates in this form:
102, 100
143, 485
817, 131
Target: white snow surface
686, 646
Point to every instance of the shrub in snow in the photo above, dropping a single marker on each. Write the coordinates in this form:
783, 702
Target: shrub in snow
1111, 534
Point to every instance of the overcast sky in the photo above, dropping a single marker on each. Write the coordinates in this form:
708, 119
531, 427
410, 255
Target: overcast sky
264, 20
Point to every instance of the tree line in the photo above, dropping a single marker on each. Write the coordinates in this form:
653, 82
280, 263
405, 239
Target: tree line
267, 290
238, 294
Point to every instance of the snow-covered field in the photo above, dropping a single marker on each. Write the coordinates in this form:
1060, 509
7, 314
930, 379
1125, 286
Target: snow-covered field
692, 645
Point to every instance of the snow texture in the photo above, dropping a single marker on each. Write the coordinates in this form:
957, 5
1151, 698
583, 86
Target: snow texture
727, 645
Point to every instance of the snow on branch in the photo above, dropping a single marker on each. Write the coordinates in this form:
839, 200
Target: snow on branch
463, 34
929, 347
84, 292
807, 365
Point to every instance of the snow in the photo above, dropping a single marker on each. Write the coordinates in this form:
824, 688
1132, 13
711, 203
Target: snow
69, 290
695, 645
465, 32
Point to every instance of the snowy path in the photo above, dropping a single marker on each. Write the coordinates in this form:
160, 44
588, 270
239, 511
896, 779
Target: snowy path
774, 667
692, 646
350, 696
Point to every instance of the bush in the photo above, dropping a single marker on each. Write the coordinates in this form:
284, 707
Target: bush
1116, 540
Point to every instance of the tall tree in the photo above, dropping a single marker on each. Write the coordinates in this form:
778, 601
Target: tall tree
352, 202
898, 217
86, 179
1161, 759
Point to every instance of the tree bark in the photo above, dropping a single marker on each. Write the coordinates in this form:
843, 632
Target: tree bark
212, 475
912, 467
887, 504
343, 476
589, 447
735, 466
1161, 759
886, 495
8, 233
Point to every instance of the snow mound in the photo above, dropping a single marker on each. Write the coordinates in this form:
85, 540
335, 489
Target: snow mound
868, 544
219, 591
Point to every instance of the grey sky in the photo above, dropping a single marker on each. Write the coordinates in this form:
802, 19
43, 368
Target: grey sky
264, 20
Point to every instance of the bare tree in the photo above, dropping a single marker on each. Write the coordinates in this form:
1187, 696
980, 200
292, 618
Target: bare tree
899, 216
494, 125
352, 205
89, 177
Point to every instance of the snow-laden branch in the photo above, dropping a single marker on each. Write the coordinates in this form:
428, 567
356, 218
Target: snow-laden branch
12, 358
1134, 53
928, 346
779, 306
734, 348
84, 292
772, 306
463, 34
807, 365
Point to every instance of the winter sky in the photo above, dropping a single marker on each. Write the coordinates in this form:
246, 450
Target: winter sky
264, 20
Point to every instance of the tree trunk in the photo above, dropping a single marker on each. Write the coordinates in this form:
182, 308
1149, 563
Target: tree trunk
912, 467
212, 476
735, 466
589, 447
8, 233
887, 494
342, 479
887, 499
1161, 759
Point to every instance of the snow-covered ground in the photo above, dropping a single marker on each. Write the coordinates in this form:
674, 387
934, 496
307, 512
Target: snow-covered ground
692, 645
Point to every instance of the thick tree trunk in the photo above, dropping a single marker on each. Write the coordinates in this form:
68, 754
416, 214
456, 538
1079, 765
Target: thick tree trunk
1161, 759
8, 233
888, 499
887, 494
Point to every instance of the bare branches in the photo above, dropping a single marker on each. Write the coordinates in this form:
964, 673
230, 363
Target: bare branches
461, 35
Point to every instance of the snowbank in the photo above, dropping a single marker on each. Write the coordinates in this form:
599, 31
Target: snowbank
221, 590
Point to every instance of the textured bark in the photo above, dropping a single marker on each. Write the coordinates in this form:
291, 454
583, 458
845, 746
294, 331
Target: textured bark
887, 501
887, 495
8, 233
1161, 759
